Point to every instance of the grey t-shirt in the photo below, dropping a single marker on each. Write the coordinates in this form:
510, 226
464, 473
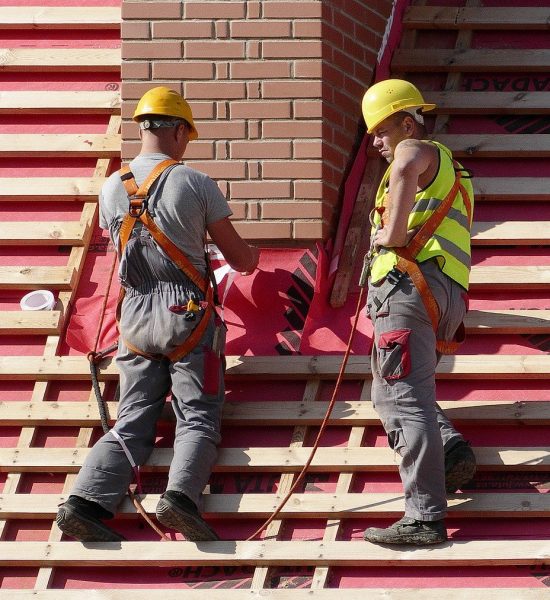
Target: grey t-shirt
183, 202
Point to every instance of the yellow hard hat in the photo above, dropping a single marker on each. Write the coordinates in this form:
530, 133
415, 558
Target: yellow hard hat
388, 97
164, 101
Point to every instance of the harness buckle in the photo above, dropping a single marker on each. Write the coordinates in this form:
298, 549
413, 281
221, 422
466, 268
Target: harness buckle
395, 276
137, 206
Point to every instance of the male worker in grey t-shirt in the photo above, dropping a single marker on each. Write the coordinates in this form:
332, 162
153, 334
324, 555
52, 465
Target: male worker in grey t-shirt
161, 308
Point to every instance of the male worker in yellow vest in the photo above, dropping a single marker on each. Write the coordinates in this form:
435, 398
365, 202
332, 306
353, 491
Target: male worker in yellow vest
417, 301
158, 212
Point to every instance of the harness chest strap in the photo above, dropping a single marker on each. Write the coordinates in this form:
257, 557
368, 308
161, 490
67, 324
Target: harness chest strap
138, 212
407, 261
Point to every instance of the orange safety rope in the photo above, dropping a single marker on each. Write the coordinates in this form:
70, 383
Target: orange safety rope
324, 422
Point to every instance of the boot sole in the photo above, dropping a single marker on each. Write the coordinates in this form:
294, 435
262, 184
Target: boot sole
191, 526
460, 474
411, 540
83, 529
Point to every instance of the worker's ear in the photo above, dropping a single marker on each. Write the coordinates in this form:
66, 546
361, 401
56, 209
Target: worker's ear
408, 125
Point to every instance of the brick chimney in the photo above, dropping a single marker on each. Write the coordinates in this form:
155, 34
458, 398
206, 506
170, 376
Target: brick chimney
275, 87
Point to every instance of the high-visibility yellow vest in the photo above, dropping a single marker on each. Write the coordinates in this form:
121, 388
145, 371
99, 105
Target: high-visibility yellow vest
450, 243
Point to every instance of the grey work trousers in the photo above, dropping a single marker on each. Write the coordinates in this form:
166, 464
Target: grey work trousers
404, 359
197, 385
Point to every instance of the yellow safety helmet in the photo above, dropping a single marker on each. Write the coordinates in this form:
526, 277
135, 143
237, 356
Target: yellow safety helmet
388, 97
164, 101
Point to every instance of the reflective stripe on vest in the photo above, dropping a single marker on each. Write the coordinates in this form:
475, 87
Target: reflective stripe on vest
450, 244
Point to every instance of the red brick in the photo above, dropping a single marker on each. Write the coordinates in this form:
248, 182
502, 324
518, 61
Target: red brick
129, 150
307, 29
291, 210
292, 129
222, 29
253, 129
260, 110
260, 149
297, 9
202, 110
149, 50
138, 30
183, 70
213, 49
253, 211
217, 130
307, 149
253, 8
260, 189
214, 89
200, 150
264, 230
291, 49
308, 109
292, 169
150, 10
308, 189
135, 70
134, 90
253, 49
129, 130
310, 230
239, 210
253, 168
260, 29
214, 10
221, 150
221, 169
308, 68
291, 89
182, 29
259, 69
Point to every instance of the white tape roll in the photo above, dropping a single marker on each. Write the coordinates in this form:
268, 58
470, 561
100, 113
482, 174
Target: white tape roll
38, 300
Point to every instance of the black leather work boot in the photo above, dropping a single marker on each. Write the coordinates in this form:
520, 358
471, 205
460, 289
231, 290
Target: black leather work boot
460, 466
409, 531
176, 511
82, 520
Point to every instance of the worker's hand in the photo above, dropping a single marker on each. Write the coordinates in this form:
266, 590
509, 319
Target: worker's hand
255, 258
383, 237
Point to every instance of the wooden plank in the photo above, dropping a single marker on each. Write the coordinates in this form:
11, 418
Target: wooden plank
479, 366
275, 594
51, 17
483, 102
302, 506
340, 553
510, 232
60, 144
277, 413
519, 146
501, 18
30, 322
484, 60
65, 60
50, 188
510, 277
70, 233
486, 145
36, 278
508, 321
270, 460
59, 102
510, 188
423, 593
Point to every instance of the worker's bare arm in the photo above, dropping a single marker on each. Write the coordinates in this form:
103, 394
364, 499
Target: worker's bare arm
240, 255
412, 159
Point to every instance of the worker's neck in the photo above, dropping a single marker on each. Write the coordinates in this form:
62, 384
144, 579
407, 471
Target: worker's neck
155, 146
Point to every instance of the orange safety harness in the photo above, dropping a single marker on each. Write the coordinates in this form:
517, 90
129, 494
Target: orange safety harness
138, 211
407, 263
